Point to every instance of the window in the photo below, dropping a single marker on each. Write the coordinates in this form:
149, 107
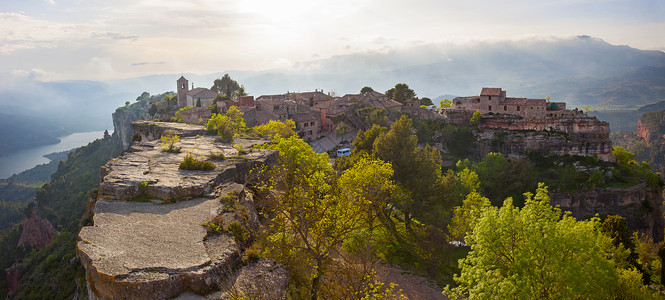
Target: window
312, 123
490, 98
490, 108
505, 107
518, 108
305, 125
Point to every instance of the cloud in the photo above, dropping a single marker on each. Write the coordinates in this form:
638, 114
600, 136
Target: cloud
113, 36
148, 63
52, 2
33, 74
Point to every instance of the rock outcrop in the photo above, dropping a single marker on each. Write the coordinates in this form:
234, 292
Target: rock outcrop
37, 231
13, 278
164, 246
640, 205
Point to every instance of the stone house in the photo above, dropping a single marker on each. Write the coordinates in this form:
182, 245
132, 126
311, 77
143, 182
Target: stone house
494, 100
196, 115
191, 97
308, 125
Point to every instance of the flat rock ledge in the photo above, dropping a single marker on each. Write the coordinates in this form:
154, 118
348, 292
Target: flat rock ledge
154, 251
149, 172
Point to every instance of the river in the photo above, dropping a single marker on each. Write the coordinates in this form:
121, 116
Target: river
25, 159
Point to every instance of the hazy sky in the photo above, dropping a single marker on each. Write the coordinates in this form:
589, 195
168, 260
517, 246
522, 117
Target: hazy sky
101, 39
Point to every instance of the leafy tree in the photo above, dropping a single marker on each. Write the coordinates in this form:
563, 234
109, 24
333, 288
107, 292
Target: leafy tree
364, 141
475, 118
445, 103
401, 93
342, 129
426, 101
144, 95
198, 102
225, 85
178, 114
241, 92
366, 89
276, 130
622, 156
310, 218
168, 142
536, 253
222, 126
466, 216
238, 121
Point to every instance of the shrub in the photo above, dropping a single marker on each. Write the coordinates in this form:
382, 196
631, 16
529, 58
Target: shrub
168, 142
240, 148
217, 156
238, 231
215, 225
191, 163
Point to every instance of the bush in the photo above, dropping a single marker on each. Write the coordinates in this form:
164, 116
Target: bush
191, 163
168, 142
217, 156
238, 231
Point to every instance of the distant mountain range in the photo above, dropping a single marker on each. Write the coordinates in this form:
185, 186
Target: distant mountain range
581, 71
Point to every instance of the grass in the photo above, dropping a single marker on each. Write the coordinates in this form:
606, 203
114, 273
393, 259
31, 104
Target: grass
191, 163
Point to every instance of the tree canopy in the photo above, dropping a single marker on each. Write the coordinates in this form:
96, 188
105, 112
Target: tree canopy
536, 253
225, 85
401, 93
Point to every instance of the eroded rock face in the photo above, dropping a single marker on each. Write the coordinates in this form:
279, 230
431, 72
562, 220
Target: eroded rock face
37, 231
640, 205
263, 279
162, 248
150, 130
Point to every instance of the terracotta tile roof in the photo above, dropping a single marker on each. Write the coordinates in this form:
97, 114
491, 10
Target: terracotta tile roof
490, 92
201, 93
304, 117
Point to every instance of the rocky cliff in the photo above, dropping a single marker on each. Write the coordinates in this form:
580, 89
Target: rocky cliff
641, 205
514, 136
153, 234
122, 119
37, 231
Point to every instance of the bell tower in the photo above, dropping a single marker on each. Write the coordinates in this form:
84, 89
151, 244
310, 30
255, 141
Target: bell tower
182, 89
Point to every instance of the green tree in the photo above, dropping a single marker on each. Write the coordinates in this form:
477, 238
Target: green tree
222, 126
276, 130
475, 118
401, 93
342, 129
240, 92
622, 156
238, 121
198, 102
178, 114
466, 216
366, 89
364, 141
226, 86
426, 101
536, 253
445, 103
310, 216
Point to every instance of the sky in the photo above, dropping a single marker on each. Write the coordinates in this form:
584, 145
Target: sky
103, 40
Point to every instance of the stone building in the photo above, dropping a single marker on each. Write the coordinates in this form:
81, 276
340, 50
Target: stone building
494, 100
191, 97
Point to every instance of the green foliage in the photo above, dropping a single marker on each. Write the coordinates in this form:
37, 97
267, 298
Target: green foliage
426, 101
240, 149
622, 156
597, 177
178, 114
475, 118
215, 225
342, 129
401, 93
445, 103
366, 89
169, 139
225, 85
228, 125
466, 216
364, 141
276, 130
217, 156
536, 253
500, 178
191, 163
238, 231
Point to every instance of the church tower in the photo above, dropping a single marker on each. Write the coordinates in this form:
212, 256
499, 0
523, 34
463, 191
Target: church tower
182, 91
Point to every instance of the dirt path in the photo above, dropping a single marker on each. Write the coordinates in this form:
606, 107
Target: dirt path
414, 287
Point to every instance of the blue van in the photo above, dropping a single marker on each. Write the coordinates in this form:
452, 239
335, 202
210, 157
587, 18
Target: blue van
343, 152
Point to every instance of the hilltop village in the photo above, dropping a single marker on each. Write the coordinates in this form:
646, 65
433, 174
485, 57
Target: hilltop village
317, 114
